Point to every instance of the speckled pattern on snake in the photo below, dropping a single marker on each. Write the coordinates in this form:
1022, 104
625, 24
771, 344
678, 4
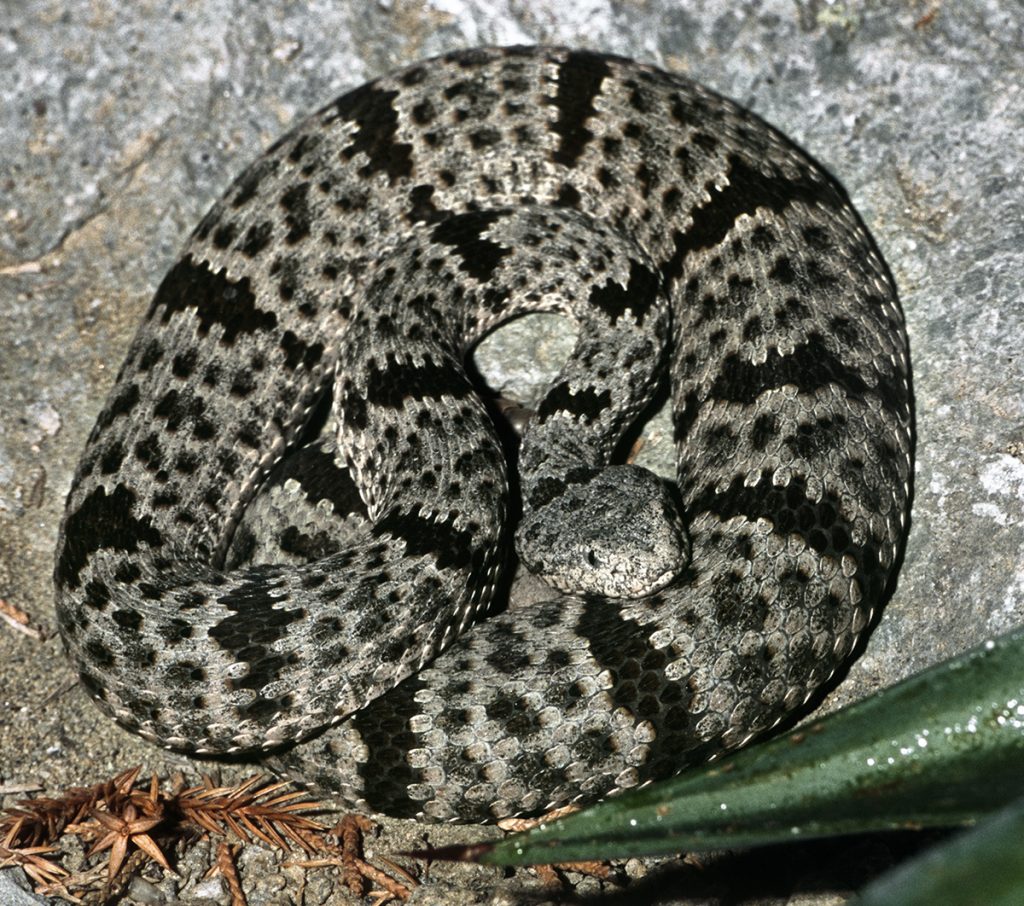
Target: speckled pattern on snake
294, 498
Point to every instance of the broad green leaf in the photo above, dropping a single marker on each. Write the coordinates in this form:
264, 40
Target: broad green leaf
944, 747
981, 866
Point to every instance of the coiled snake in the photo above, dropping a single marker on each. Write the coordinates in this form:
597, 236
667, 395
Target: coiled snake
293, 497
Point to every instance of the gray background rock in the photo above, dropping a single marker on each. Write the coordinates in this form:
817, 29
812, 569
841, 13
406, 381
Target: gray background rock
120, 123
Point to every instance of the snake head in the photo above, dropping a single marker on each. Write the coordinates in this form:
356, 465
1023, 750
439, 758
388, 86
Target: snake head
612, 531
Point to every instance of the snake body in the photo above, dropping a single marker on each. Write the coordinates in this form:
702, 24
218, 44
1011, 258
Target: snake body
293, 499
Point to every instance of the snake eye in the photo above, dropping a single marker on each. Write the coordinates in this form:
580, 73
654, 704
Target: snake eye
591, 558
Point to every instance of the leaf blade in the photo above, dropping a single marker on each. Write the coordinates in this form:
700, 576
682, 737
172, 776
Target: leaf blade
982, 865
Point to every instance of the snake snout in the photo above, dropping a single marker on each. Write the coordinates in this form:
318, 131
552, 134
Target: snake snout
613, 532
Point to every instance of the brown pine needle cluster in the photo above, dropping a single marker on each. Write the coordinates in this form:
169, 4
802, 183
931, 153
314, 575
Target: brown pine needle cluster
36, 860
393, 884
118, 825
253, 809
127, 824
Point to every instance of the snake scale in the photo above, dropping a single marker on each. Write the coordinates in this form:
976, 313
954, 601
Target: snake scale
294, 499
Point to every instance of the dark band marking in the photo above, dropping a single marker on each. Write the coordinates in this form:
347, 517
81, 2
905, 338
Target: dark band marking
102, 522
548, 488
452, 548
371, 109
508, 656
810, 366
789, 509
421, 205
586, 404
386, 774
216, 299
638, 296
111, 460
748, 190
286, 271
321, 478
624, 648
579, 81
463, 233
127, 620
307, 547
396, 382
152, 354
764, 428
255, 624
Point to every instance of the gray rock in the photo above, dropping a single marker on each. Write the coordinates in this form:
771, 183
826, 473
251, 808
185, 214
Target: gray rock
119, 126
15, 889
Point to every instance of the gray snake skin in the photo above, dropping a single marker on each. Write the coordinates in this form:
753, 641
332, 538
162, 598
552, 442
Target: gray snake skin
293, 498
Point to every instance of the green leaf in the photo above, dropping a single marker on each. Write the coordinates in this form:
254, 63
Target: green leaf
984, 865
944, 747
